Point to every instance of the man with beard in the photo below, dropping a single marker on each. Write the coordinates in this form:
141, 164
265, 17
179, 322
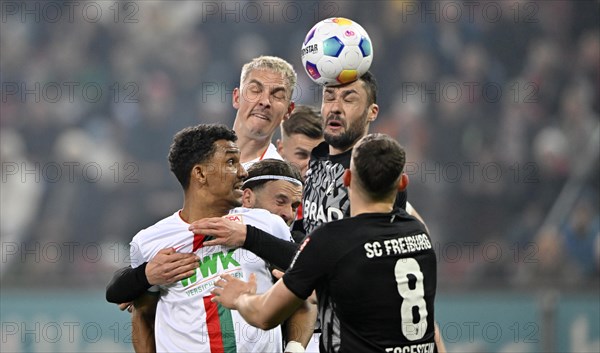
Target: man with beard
374, 273
347, 110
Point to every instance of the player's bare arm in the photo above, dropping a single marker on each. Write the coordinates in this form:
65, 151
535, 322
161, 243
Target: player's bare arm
300, 326
277, 251
239, 295
142, 323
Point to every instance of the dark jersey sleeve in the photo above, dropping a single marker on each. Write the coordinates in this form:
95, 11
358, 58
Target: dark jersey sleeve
277, 251
127, 284
310, 265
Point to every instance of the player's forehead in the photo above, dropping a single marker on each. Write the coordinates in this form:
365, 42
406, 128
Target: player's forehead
226, 148
357, 87
265, 77
276, 188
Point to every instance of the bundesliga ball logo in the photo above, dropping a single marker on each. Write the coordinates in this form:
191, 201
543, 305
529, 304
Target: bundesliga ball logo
336, 51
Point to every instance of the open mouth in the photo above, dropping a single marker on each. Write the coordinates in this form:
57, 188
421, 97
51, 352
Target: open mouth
261, 116
335, 124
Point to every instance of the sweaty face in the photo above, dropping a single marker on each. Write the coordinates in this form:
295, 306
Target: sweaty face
262, 102
345, 111
279, 197
225, 174
296, 149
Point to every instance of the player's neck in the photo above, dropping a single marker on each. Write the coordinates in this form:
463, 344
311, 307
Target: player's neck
335, 151
361, 204
193, 210
251, 149
380, 207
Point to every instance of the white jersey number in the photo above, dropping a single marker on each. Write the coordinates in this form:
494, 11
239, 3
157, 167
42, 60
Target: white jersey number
414, 310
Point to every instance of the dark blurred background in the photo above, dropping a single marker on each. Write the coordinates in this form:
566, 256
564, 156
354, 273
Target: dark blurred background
495, 101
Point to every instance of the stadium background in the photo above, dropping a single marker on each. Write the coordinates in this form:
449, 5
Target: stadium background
495, 101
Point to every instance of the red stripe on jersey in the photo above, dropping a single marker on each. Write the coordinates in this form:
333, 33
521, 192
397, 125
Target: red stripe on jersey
213, 326
198, 241
299, 214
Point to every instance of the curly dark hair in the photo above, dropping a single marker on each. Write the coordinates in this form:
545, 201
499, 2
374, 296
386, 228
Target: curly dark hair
194, 145
379, 161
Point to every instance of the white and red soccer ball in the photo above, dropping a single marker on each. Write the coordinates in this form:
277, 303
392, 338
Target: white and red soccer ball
336, 51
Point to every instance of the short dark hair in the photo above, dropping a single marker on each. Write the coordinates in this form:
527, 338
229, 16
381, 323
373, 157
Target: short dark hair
379, 161
270, 166
304, 120
194, 145
370, 83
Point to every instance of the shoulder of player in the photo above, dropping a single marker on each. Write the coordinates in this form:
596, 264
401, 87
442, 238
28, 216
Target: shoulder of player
167, 224
320, 151
260, 218
410, 218
272, 153
249, 212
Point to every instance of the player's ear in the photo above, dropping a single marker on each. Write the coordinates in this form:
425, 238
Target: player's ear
289, 111
403, 182
347, 177
248, 198
279, 146
198, 174
373, 112
236, 98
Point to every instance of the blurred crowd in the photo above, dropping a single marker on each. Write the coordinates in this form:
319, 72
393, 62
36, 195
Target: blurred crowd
495, 101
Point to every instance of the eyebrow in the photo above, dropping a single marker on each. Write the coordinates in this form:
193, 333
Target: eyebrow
349, 92
274, 90
344, 94
232, 151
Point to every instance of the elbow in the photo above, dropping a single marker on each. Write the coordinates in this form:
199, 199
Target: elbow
110, 295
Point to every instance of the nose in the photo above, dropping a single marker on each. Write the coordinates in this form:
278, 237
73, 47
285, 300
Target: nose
265, 99
242, 173
287, 213
334, 108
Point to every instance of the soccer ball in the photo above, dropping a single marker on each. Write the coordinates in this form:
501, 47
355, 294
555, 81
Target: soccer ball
336, 51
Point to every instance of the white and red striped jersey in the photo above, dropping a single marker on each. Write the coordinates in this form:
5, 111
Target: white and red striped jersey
186, 319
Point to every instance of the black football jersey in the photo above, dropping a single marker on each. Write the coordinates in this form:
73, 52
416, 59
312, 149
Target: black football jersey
375, 276
325, 197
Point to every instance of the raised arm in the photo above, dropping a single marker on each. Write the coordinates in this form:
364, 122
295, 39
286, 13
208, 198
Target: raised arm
229, 233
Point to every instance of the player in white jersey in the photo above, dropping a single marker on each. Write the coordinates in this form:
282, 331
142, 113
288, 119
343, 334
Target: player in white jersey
263, 100
186, 320
205, 160
270, 153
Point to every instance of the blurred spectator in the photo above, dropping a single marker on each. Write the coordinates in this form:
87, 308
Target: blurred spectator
517, 93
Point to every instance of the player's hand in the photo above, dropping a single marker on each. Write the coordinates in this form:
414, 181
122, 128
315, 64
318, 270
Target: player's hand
126, 306
228, 289
277, 273
169, 266
225, 231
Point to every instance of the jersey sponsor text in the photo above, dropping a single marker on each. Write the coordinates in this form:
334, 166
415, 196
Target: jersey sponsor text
314, 211
209, 266
415, 348
399, 246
